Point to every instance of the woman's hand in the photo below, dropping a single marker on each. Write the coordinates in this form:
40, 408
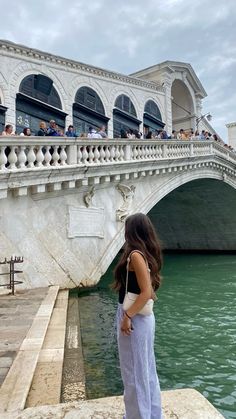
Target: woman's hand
126, 326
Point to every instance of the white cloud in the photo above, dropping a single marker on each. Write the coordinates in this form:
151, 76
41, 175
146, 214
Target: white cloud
129, 35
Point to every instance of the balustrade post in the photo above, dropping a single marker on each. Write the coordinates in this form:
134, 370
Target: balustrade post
31, 157
55, 156
63, 156
12, 158
39, 157
22, 157
191, 150
127, 152
164, 151
211, 148
3, 158
71, 151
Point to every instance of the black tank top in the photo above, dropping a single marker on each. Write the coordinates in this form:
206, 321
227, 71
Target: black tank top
132, 286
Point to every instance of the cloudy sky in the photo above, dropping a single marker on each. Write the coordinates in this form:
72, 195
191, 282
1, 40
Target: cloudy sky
127, 35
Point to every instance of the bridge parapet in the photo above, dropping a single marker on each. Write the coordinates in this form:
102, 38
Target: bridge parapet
35, 152
51, 163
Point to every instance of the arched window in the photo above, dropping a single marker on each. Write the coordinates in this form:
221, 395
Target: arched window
88, 110
152, 109
124, 116
124, 103
40, 87
3, 110
152, 120
88, 97
37, 101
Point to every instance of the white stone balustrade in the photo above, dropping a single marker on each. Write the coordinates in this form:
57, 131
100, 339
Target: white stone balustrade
37, 153
49, 164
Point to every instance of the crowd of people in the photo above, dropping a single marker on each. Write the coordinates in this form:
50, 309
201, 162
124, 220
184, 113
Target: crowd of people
53, 130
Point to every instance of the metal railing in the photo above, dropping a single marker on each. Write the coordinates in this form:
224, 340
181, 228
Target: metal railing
12, 282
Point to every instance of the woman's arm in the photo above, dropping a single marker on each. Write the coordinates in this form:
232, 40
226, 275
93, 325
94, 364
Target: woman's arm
139, 266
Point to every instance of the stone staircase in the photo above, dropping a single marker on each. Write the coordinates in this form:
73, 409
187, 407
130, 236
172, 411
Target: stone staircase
35, 375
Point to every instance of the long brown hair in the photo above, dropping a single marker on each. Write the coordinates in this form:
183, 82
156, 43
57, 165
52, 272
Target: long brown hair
140, 235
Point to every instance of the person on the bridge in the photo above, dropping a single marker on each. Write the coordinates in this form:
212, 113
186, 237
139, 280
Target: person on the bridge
71, 132
102, 131
42, 132
8, 130
52, 129
92, 133
137, 276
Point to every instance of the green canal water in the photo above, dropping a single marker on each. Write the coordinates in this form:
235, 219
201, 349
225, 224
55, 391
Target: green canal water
195, 342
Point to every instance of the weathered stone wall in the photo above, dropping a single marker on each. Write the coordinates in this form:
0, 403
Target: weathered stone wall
198, 215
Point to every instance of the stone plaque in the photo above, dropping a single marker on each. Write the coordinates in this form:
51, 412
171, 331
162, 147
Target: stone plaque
85, 222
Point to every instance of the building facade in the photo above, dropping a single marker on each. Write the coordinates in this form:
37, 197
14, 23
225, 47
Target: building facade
37, 86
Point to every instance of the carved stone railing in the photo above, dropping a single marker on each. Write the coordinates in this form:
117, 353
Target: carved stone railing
19, 153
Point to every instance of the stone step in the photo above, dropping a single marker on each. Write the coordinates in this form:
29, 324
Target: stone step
182, 404
73, 381
46, 383
15, 388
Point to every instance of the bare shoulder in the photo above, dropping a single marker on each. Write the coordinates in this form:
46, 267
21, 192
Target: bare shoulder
137, 258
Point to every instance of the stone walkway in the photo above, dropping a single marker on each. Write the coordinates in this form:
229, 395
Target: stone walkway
177, 404
16, 315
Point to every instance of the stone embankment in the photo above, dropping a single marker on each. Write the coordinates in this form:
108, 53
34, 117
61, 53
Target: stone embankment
32, 386
177, 404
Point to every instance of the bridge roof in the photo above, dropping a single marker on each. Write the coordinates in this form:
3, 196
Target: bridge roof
171, 67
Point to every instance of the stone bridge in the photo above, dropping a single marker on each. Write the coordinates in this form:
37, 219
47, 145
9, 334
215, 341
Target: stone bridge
63, 201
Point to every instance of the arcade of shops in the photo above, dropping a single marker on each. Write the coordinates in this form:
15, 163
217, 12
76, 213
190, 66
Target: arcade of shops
38, 86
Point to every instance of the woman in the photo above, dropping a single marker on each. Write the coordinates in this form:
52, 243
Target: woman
135, 332
8, 130
26, 132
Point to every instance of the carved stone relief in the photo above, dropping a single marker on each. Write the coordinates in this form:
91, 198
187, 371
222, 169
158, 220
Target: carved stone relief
127, 193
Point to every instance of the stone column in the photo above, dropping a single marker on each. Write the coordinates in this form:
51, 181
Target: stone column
10, 116
198, 111
110, 126
167, 81
232, 134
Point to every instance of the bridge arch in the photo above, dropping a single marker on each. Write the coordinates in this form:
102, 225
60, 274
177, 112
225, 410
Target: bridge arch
3, 110
3, 96
183, 107
197, 216
152, 199
4, 93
